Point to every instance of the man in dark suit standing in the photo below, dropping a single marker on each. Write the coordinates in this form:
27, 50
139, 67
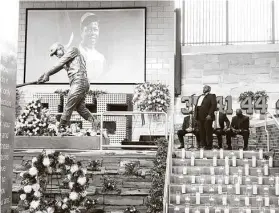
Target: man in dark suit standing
189, 126
206, 106
240, 126
221, 126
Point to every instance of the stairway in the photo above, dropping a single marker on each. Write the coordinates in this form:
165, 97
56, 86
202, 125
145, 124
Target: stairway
201, 182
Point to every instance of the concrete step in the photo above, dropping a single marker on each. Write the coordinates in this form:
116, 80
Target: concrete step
221, 162
212, 209
187, 179
231, 200
196, 170
229, 189
211, 153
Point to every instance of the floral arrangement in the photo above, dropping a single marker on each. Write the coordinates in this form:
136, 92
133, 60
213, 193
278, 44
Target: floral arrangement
255, 96
131, 209
153, 97
94, 165
131, 169
35, 121
109, 184
155, 198
96, 93
34, 183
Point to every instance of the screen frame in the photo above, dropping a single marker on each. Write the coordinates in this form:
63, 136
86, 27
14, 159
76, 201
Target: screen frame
103, 8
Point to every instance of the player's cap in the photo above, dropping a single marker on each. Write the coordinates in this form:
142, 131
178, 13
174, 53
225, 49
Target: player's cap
54, 48
88, 18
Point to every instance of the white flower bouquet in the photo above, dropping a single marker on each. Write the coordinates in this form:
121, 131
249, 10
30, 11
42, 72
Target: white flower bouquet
152, 97
36, 121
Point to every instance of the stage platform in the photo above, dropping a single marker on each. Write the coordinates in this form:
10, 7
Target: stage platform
56, 142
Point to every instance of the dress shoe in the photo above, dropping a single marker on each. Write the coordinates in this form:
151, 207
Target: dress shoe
229, 148
181, 147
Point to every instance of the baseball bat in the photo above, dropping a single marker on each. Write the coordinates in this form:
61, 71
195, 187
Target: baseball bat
25, 84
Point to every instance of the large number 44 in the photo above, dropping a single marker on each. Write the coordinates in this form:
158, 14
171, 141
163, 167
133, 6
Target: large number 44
260, 104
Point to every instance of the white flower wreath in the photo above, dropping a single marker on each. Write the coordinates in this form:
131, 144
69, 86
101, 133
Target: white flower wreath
33, 184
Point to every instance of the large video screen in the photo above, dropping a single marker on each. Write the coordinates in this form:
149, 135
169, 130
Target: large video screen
112, 42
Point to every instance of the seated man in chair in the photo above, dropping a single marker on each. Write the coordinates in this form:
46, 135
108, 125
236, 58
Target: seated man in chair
240, 126
189, 126
221, 126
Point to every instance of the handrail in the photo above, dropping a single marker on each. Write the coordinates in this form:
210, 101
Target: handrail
168, 169
123, 113
267, 133
265, 128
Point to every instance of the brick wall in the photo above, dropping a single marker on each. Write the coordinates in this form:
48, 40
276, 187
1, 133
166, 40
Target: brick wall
159, 39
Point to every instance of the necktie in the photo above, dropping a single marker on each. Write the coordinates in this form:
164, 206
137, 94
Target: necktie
190, 120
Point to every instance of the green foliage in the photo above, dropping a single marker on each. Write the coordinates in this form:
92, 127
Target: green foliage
18, 108
94, 165
131, 209
132, 169
155, 198
94, 93
62, 92
110, 184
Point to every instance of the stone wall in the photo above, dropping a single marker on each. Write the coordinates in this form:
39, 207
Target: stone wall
133, 189
261, 138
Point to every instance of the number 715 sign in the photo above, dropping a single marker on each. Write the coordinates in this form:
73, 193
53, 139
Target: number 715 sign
226, 104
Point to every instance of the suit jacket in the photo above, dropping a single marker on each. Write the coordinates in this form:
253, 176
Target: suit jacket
240, 122
208, 106
186, 122
223, 119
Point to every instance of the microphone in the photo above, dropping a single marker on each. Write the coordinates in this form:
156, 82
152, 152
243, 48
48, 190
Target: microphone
193, 94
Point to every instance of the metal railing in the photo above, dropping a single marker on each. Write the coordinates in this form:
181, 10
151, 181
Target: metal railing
168, 168
228, 22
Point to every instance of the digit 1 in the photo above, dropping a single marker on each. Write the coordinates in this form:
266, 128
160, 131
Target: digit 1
260, 103
219, 100
228, 101
187, 100
247, 105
